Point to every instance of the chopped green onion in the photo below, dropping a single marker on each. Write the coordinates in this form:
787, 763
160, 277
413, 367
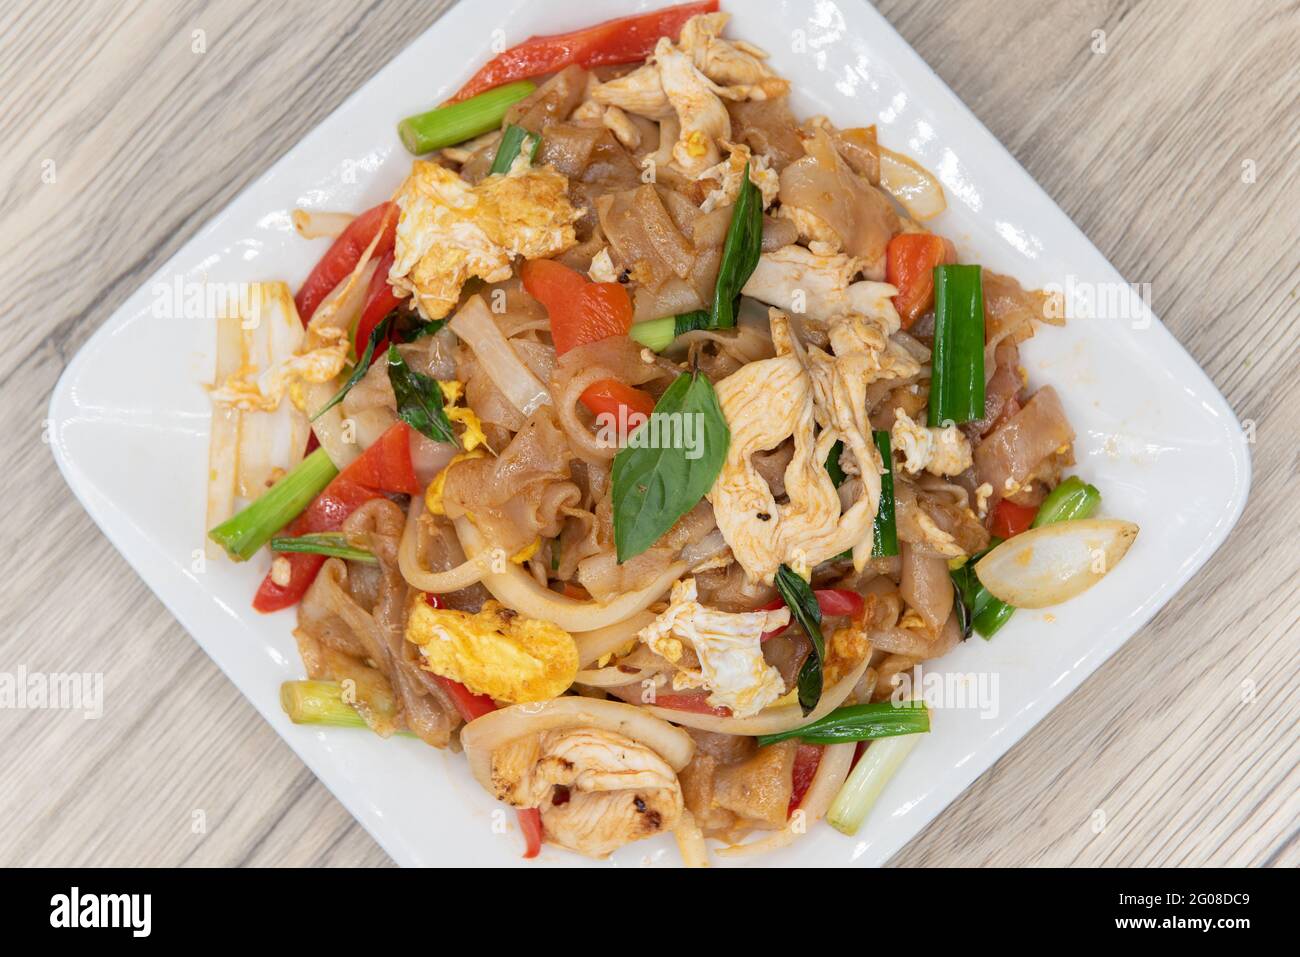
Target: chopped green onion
833, 464
320, 702
658, 334
1072, 499
859, 722
740, 252
512, 142
361, 368
334, 544
884, 530
879, 763
243, 534
458, 122
799, 598
957, 364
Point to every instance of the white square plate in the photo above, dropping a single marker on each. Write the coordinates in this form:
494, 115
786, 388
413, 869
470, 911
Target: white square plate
130, 423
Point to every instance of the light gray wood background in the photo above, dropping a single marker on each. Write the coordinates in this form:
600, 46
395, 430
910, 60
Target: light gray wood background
1186, 741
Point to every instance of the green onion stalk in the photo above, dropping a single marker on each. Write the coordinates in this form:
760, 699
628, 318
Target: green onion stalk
320, 703
859, 722
957, 363
243, 534
458, 122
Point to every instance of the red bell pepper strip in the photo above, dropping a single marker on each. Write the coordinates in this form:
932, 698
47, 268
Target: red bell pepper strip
832, 602
343, 256
471, 706
624, 40
695, 703
581, 311
806, 760
910, 259
325, 514
386, 464
380, 301
1010, 519
620, 402
384, 467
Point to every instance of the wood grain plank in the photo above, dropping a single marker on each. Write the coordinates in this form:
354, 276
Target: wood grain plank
1186, 740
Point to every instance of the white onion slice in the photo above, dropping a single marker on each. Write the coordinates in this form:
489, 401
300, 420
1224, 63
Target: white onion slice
516, 589
594, 645
1048, 565
914, 186
320, 224
504, 725
477, 329
417, 576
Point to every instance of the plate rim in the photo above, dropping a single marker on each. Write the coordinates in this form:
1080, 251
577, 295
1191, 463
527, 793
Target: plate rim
101, 512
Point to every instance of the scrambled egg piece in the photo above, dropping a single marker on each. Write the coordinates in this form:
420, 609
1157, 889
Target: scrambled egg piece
845, 651
768, 401
473, 436
495, 652
433, 494
602, 267
727, 645
819, 286
940, 452
449, 230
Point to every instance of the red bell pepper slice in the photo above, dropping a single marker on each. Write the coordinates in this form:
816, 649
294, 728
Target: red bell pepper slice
471, 706
695, 703
325, 514
384, 467
343, 256
624, 40
620, 402
580, 310
380, 301
806, 760
1010, 519
910, 259
833, 602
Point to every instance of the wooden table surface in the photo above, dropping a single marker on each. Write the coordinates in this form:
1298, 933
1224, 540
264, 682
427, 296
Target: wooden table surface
1175, 150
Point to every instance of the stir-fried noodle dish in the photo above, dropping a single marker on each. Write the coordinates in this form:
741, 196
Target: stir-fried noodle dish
641, 443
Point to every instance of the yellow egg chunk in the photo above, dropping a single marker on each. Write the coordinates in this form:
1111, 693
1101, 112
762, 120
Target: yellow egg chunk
450, 230
495, 652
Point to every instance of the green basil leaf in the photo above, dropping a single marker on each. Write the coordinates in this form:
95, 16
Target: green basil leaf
420, 330
799, 598
419, 399
361, 368
833, 464
654, 487
740, 253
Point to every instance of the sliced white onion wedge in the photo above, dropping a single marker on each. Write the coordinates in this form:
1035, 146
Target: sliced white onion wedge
912, 185
1048, 565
